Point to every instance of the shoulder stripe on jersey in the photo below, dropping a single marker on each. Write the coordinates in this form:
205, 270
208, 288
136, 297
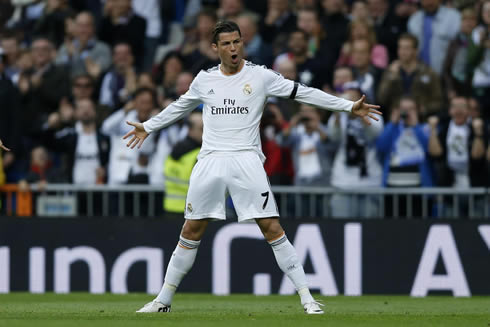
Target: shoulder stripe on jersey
295, 90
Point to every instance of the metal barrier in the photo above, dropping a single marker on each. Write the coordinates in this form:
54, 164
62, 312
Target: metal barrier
292, 201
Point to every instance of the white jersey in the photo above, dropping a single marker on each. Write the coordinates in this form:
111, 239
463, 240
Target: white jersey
233, 105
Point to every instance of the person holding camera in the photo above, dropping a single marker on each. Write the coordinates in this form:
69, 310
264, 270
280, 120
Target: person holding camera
355, 164
403, 148
307, 138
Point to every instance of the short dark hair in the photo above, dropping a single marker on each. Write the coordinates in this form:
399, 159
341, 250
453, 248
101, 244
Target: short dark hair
148, 90
142, 90
410, 37
225, 26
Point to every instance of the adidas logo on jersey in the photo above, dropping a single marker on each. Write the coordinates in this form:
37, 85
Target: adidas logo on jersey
210, 92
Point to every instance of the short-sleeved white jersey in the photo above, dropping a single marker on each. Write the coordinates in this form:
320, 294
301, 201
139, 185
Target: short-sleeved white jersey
233, 105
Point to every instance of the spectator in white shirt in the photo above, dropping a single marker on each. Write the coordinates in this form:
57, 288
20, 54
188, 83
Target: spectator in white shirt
355, 165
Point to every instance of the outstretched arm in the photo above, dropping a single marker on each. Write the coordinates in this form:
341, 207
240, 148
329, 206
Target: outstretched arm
172, 113
280, 87
318, 98
3, 146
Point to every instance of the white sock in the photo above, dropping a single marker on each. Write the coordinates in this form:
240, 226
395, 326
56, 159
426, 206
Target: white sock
288, 261
181, 262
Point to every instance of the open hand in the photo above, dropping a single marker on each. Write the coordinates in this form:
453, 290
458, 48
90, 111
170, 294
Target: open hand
3, 146
138, 135
365, 110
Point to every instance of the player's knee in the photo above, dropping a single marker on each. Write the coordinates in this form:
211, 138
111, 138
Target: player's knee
272, 229
194, 230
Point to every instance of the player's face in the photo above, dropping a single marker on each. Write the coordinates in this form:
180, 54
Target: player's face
230, 49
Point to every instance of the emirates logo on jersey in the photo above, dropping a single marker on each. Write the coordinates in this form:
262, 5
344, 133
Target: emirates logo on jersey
247, 89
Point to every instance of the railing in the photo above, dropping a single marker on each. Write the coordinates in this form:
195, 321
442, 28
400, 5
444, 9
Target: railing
292, 201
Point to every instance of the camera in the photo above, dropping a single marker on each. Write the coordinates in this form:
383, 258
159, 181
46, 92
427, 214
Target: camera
404, 115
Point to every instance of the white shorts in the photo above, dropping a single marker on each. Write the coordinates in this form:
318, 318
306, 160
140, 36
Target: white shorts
241, 175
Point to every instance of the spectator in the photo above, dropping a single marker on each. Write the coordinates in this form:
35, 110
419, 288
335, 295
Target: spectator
309, 21
388, 26
120, 81
24, 63
85, 54
150, 11
341, 76
179, 164
458, 147
457, 76
306, 67
434, 26
183, 83
121, 25
474, 108
256, 50
336, 24
278, 164
70, 27
83, 88
365, 73
410, 77
52, 21
230, 9
198, 53
41, 170
278, 22
43, 87
87, 149
307, 138
10, 113
165, 74
360, 11
403, 148
12, 51
479, 60
358, 30
355, 165
129, 166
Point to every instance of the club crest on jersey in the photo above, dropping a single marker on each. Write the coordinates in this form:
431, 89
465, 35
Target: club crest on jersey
189, 207
247, 89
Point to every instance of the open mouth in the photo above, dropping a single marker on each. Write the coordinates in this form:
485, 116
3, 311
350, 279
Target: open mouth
234, 58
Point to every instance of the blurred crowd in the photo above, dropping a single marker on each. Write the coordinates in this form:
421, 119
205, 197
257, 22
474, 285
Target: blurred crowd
73, 72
